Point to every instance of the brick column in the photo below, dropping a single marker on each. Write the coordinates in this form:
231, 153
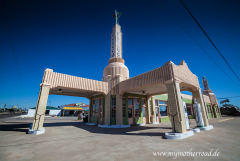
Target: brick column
119, 118
198, 95
214, 111
154, 109
41, 106
108, 100
176, 107
206, 110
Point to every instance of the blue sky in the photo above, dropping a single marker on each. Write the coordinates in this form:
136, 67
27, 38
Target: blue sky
73, 37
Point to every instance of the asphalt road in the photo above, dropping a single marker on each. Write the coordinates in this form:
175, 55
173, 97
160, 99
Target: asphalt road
6, 115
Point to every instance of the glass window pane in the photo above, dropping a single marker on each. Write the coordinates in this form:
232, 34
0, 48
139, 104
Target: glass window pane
129, 112
156, 102
136, 106
136, 103
162, 102
156, 111
163, 110
113, 101
130, 101
113, 107
123, 101
96, 101
143, 111
136, 100
143, 102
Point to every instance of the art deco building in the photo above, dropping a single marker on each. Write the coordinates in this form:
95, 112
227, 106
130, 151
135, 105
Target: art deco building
152, 97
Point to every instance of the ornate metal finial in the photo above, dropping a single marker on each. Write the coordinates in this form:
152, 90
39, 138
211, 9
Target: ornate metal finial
116, 15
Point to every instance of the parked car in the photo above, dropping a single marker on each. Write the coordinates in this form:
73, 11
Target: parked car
24, 112
236, 114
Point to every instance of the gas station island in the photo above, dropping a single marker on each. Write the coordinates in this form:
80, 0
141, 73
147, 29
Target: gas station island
149, 98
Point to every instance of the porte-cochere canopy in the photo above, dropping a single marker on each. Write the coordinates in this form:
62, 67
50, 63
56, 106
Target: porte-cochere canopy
62, 84
153, 82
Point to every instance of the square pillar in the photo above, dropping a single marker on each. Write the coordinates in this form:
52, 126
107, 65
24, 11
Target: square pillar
148, 106
41, 107
176, 107
119, 118
206, 109
198, 95
154, 109
108, 100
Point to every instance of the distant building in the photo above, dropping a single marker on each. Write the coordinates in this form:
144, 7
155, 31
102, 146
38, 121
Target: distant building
49, 111
74, 109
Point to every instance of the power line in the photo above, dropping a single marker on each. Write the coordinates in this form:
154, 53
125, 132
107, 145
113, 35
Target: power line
209, 39
196, 42
228, 97
13, 48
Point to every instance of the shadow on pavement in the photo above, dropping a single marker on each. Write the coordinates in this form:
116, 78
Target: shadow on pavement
133, 130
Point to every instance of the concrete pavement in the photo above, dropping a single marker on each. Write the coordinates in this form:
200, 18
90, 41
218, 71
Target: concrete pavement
69, 139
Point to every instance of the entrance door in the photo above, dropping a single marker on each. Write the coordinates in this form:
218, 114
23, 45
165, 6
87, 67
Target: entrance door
130, 112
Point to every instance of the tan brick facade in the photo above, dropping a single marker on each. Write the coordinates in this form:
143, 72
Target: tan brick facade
107, 102
176, 107
41, 107
119, 118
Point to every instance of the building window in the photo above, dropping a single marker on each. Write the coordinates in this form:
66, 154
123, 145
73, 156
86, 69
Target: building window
130, 107
162, 102
123, 107
189, 109
136, 107
95, 108
162, 108
113, 107
100, 107
156, 103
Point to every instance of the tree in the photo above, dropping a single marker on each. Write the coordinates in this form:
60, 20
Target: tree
228, 105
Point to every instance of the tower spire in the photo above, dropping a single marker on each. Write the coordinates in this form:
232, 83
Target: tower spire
116, 38
116, 16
